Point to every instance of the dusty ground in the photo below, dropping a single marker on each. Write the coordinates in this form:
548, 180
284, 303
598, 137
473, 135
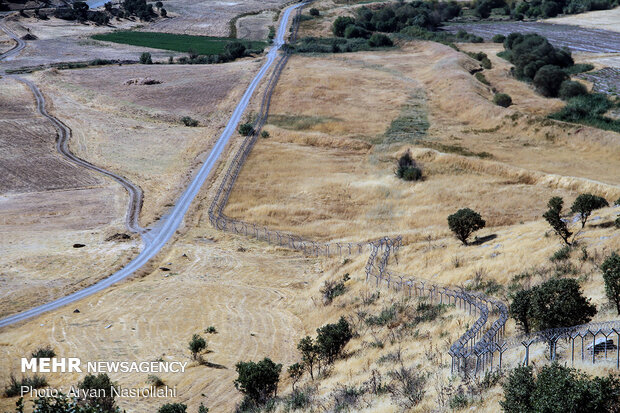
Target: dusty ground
602, 19
135, 130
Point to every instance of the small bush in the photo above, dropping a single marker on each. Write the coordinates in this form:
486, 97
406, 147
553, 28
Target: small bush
380, 40
482, 79
498, 38
155, 380
548, 80
264, 134
145, 58
210, 330
196, 345
43, 352
386, 315
502, 99
246, 129
188, 121
314, 12
14, 387
570, 89
407, 168
561, 255
172, 408
258, 381
459, 401
332, 289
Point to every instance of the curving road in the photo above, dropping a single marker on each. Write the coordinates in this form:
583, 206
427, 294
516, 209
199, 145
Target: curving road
20, 44
157, 237
62, 145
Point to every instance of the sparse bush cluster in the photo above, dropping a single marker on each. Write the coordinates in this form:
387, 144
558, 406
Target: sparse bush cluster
502, 99
551, 8
332, 289
482, 58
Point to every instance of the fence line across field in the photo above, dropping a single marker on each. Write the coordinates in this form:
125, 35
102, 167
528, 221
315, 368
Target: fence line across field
476, 349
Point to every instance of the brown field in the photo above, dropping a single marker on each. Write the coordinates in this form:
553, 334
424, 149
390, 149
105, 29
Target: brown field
602, 19
208, 18
256, 26
135, 130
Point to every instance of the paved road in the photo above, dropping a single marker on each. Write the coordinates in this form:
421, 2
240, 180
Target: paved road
17, 48
157, 237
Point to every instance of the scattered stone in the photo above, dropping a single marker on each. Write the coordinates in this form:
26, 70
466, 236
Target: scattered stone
78, 245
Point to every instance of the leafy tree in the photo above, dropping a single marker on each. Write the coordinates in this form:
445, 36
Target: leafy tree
585, 204
548, 80
159, 5
295, 372
520, 309
258, 381
558, 389
102, 386
308, 353
196, 345
173, 408
559, 303
518, 390
331, 339
483, 9
502, 99
163, 12
340, 25
611, 276
145, 58
498, 38
235, 49
554, 217
464, 222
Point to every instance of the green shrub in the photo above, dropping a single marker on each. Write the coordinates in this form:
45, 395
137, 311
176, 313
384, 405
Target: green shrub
464, 222
589, 110
561, 255
100, 386
340, 25
332, 289
482, 78
15, 386
331, 339
531, 52
617, 222
258, 381
459, 401
264, 134
172, 408
196, 345
548, 80
407, 168
380, 40
314, 12
44, 352
569, 89
353, 32
155, 380
211, 330
558, 389
617, 202
145, 58
188, 121
386, 315
611, 276
246, 129
498, 38
502, 99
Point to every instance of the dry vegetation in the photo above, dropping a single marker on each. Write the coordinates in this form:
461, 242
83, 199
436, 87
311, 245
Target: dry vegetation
337, 124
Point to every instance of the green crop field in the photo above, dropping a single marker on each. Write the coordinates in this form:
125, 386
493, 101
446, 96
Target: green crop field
202, 45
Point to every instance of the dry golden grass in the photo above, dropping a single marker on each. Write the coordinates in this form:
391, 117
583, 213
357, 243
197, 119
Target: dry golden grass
602, 19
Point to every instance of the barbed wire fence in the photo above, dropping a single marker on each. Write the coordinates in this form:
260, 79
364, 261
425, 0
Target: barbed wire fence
476, 350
